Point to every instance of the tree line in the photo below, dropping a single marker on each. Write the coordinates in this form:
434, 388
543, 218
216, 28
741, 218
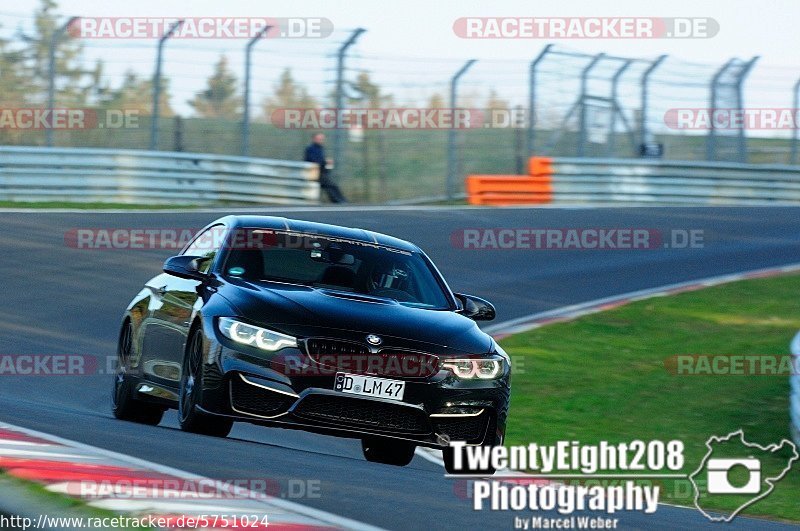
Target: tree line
24, 66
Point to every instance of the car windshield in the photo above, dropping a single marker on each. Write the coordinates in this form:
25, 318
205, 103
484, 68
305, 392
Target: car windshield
335, 263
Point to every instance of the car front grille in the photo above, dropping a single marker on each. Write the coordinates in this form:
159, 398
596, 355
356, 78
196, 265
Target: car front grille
359, 359
255, 400
358, 413
462, 428
321, 347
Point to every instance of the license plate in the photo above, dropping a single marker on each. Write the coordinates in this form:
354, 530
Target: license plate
356, 384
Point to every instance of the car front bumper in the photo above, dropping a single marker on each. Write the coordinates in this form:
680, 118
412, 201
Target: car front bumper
435, 410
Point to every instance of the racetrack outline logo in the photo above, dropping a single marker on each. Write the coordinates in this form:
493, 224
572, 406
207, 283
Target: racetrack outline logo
771, 481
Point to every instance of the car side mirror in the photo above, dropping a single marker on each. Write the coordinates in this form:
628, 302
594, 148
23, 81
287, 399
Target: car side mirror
476, 308
184, 266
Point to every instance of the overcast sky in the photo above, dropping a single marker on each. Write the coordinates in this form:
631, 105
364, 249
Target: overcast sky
411, 45
424, 27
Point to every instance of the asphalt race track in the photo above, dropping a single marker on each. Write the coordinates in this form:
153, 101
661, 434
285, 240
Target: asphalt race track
62, 300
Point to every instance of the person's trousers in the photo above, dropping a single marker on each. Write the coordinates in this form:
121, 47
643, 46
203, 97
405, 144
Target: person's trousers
332, 189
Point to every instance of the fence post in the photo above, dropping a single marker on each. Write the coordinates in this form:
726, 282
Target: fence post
582, 116
740, 105
178, 135
452, 155
643, 132
246, 104
795, 105
615, 106
532, 99
711, 138
338, 138
157, 85
55, 38
519, 131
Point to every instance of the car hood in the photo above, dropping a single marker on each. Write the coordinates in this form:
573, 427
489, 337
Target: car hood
307, 312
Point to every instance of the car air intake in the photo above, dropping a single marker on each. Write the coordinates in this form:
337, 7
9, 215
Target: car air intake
254, 400
359, 413
462, 428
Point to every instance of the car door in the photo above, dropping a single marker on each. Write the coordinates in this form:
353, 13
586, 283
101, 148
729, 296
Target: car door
172, 306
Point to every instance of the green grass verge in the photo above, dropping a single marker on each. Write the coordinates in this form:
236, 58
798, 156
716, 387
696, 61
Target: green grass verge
603, 377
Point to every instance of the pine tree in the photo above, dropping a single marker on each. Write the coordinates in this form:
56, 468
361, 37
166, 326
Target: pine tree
368, 94
76, 85
495, 103
436, 101
220, 99
14, 84
288, 94
136, 94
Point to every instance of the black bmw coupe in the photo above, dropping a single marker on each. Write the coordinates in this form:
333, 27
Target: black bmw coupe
317, 327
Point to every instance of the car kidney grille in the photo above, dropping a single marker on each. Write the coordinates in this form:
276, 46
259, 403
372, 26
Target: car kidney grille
255, 400
467, 429
358, 359
321, 347
359, 413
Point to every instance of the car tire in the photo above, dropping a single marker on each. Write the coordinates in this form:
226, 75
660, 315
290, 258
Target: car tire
388, 452
123, 404
191, 420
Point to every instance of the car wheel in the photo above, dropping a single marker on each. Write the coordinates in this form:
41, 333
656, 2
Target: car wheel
123, 404
192, 420
387, 451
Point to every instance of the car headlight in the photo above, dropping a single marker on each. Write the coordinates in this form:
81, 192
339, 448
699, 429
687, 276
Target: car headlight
470, 369
254, 336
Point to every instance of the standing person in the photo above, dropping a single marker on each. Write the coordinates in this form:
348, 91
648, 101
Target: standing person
315, 153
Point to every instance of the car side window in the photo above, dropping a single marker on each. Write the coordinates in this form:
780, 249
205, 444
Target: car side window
206, 245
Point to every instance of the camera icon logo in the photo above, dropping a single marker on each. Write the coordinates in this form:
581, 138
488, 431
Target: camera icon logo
739, 470
719, 471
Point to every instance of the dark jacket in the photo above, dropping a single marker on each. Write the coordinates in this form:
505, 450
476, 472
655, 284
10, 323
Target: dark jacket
316, 153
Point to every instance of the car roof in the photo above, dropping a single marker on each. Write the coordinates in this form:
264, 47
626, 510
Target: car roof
312, 227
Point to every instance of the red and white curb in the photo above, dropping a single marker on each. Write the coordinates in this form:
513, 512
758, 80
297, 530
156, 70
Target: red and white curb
62, 466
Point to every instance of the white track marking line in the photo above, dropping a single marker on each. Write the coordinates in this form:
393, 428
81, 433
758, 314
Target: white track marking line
288, 506
429, 454
157, 505
525, 323
35, 453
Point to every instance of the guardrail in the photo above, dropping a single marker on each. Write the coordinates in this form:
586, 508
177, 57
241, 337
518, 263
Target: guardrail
794, 398
80, 175
588, 180
656, 181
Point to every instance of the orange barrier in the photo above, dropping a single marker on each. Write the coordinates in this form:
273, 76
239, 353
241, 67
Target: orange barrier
540, 166
535, 188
